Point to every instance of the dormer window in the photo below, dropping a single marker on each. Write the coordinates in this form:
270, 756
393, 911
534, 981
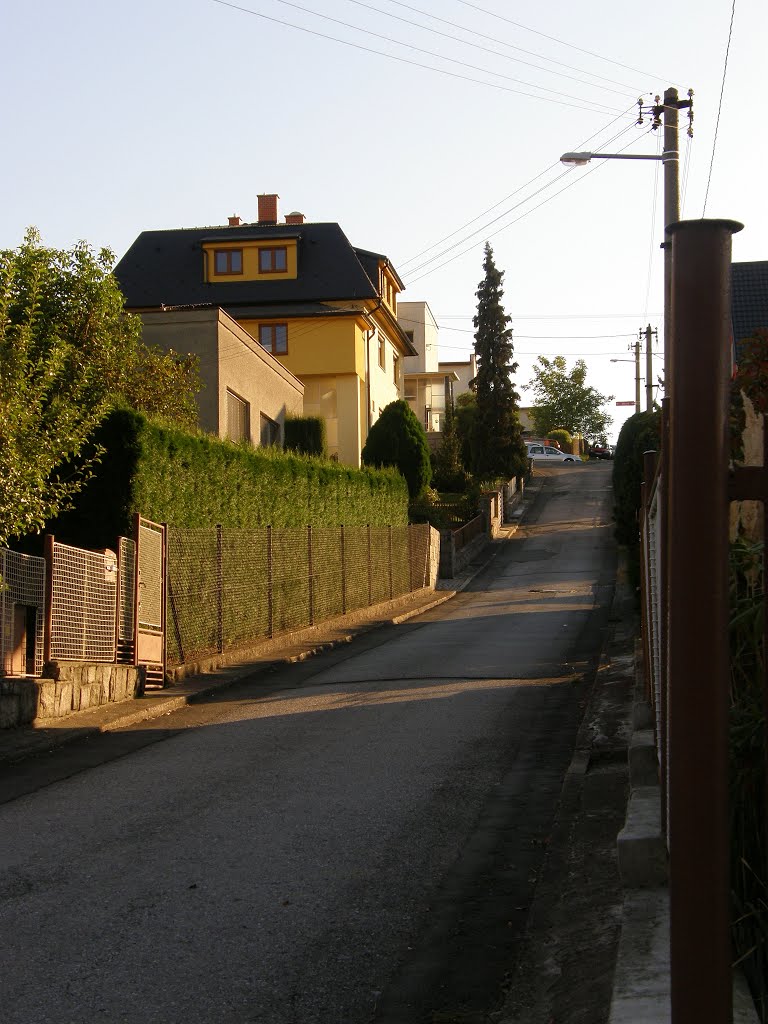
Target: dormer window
228, 261
273, 260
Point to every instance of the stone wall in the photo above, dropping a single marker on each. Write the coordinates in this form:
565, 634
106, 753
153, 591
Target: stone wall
66, 687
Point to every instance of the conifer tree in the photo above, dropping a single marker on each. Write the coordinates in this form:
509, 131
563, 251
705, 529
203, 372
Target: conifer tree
498, 446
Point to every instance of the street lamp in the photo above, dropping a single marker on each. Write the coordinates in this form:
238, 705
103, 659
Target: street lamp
670, 159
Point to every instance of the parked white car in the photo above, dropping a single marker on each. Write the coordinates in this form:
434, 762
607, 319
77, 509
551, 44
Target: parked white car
543, 453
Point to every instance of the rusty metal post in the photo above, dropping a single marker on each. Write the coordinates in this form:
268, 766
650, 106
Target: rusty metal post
48, 552
389, 546
370, 572
270, 587
343, 572
219, 591
663, 613
311, 578
700, 948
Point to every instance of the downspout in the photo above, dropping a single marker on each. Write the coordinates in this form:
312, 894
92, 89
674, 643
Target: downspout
368, 339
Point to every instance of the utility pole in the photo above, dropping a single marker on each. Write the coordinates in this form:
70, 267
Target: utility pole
636, 347
667, 113
648, 335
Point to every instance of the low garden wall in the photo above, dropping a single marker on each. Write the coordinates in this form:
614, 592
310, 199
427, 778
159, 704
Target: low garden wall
66, 687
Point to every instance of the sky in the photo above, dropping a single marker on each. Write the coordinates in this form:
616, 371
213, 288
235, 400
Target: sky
178, 113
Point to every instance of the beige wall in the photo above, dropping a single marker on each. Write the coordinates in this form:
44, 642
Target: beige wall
417, 317
229, 359
465, 371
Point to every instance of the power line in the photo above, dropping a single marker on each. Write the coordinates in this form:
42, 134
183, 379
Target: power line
404, 263
510, 46
592, 108
719, 109
486, 49
562, 42
505, 213
492, 234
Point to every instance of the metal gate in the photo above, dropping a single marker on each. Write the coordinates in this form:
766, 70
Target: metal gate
149, 615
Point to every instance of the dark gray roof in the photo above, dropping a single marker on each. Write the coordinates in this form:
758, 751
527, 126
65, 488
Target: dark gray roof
166, 268
749, 298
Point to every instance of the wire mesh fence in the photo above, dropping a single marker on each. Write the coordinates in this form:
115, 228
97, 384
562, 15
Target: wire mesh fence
83, 604
229, 588
22, 613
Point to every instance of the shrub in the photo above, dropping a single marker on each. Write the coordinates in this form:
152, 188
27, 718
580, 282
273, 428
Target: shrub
398, 439
563, 438
305, 434
640, 433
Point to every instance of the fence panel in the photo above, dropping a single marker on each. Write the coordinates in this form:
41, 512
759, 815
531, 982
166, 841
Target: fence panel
22, 613
83, 604
245, 580
193, 593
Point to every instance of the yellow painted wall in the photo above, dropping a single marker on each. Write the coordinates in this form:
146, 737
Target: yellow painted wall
251, 260
318, 346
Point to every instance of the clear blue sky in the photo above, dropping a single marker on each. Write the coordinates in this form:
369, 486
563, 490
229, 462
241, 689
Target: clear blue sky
177, 113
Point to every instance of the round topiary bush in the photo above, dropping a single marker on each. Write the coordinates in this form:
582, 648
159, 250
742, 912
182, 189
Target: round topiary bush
398, 439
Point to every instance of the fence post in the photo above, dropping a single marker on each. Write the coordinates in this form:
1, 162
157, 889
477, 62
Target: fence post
343, 574
219, 592
270, 585
389, 543
370, 577
699, 888
410, 557
311, 579
49, 540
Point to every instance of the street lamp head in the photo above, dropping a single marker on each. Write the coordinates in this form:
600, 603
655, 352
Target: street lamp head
579, 159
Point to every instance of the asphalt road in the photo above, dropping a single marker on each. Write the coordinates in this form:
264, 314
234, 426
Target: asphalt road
359, 844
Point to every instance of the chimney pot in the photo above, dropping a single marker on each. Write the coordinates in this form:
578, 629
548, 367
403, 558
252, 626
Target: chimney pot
294, 218
234, 221
268, 208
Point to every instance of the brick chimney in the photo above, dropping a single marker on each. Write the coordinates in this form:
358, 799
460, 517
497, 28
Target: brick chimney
268, 209
235, 221
294, 218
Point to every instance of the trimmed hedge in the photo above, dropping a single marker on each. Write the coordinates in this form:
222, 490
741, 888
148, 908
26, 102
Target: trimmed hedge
640, 433
305, 434
397, 438
198, 480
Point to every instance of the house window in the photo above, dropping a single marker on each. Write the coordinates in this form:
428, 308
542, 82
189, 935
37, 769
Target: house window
273, 261
228, 261
396, 368
238, 418
274, 338
270, 431
382, 352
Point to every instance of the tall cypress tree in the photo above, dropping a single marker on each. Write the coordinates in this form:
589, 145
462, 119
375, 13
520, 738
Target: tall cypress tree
498, 449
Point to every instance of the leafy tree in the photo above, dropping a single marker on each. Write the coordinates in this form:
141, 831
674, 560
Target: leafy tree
449, 472
398, 439
68, 353
564, 400
498, 448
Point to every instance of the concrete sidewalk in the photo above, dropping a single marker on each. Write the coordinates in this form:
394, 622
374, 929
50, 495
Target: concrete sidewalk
261, 661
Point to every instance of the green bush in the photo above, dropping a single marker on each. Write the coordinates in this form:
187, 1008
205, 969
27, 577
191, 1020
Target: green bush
398, 439
640, 433
198, 480
563, 438
305, 434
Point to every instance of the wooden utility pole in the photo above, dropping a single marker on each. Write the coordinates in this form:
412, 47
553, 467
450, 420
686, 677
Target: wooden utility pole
648, 334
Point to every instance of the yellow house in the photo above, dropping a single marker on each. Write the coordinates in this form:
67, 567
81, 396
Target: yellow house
327, 311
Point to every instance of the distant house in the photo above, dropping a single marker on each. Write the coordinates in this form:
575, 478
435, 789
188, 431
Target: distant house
427, 384
325, 310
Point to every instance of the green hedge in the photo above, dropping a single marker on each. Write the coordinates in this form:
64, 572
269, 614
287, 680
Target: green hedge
197, 480
640, 433
305, 434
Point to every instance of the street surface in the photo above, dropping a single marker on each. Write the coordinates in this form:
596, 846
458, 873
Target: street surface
357, 839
